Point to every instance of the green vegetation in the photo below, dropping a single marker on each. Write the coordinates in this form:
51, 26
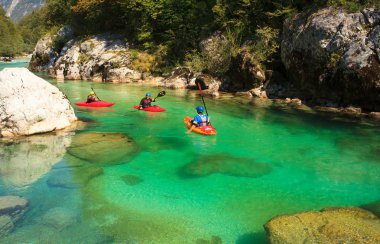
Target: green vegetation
10, 38
170, 30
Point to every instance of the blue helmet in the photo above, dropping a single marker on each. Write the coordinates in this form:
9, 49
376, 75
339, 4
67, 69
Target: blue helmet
148, 94
200, 109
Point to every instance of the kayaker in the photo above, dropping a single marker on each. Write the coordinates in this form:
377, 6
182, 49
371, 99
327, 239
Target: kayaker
146, 101
199, 120
91, 97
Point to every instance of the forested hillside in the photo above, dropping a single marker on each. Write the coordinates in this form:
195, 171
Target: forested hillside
173, 29
17, 9
10, 39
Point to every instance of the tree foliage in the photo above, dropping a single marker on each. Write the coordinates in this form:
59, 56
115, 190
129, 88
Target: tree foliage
177, 26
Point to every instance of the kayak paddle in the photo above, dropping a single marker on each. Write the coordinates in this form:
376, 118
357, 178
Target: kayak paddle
160, 94
95, 94
200, 91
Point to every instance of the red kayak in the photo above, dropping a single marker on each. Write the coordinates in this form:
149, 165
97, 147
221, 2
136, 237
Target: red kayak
153, 108
94, 104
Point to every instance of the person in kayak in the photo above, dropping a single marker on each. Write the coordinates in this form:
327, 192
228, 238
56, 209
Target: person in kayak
199, 120
91, 97
146, 101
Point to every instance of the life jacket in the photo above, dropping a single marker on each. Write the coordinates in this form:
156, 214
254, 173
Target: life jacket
91, 98
146, 102
204, 119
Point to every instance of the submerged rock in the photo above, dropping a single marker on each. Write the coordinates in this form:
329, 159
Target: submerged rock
31, 105
330, 225
214, 240
225, 164
6, 225
59, 218
132, 179
103, 148
12, 208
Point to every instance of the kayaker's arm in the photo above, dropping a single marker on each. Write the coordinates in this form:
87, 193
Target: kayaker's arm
190, 129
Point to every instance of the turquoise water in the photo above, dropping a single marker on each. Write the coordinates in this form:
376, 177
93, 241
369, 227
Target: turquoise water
164, 186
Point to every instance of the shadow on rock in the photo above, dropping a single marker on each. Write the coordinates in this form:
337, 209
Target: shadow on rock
103, 148
224, 164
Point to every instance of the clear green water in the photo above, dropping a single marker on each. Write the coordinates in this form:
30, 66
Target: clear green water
266, 160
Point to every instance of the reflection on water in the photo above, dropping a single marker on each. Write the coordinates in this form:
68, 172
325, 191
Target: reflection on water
25, 160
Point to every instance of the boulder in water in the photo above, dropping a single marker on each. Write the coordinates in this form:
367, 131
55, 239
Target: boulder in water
12, 208
31, 105
103, 147
225, 164
330, 225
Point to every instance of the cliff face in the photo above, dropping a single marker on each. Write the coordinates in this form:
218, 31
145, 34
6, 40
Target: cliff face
16, 9
334, 55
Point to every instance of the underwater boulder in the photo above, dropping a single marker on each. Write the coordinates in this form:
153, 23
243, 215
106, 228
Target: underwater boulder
132, 179
59, 218
330, 225
224, 164
103, 148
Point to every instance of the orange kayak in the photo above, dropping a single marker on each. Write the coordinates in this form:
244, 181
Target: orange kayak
204, 130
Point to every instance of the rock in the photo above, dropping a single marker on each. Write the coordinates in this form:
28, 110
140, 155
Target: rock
123, 75
247, 72
224, 164
31, 105
59, 218
330, 225
334, 55
244, 94
103, 148
259, 92
214, 240
179, 79
102, 57
13, 206
374, 115
294, 101
209, 85
25, 160
132, 179
44, 55
6, 225
352, 110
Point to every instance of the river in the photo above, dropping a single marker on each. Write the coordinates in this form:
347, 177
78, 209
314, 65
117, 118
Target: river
164, 186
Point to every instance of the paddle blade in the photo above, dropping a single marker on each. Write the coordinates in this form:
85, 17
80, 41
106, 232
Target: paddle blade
161, 94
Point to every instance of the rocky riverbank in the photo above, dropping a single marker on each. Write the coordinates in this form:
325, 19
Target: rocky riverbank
329, 60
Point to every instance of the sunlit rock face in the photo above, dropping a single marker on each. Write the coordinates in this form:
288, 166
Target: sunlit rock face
332, 54
224, 164
30, 105
103, 148
24, 161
